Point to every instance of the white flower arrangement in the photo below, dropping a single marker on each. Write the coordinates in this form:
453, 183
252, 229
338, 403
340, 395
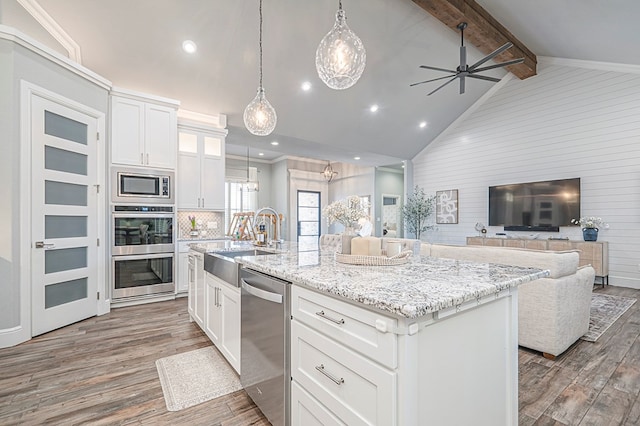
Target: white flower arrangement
347, 211
589, 222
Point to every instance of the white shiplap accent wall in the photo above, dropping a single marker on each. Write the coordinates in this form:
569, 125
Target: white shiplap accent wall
565, 122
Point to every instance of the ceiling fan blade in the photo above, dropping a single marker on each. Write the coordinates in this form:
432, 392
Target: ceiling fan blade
429, 81
500, 65
492, 55
484, 77
461, 85
440, 87
427, 67
463, 58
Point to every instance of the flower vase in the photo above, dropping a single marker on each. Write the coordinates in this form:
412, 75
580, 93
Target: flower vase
590, 234
348, 235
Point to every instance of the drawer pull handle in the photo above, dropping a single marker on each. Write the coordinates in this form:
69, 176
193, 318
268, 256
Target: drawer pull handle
322, 314
338, 382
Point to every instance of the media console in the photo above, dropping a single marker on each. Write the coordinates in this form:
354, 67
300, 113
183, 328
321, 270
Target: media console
594, 253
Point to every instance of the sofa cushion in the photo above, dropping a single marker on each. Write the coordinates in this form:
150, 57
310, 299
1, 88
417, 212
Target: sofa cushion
559, 263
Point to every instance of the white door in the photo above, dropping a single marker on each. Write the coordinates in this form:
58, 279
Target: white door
64, 215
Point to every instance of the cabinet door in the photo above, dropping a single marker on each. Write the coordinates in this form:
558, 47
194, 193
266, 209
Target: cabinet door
213, 317
230, 346
213, 183
191, 280
127, 131
188, 181
183, 273
199, 291
160, 136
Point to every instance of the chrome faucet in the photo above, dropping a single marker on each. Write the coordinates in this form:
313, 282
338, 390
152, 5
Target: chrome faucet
278, 224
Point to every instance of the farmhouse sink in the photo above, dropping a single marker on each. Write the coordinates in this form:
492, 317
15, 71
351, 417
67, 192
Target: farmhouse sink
222, 264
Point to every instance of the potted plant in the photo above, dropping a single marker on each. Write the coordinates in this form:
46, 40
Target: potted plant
590, 226
417, 210
347, 212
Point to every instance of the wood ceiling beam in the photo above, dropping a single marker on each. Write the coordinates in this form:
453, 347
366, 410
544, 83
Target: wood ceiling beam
483, 31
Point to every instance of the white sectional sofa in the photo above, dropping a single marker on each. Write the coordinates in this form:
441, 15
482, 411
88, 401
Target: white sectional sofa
553, 312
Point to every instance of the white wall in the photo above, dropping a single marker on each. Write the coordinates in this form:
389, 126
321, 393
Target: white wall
569, 121
351, 180
19, 64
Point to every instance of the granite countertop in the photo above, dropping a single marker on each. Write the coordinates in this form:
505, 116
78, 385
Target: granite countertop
422, 286
210, 246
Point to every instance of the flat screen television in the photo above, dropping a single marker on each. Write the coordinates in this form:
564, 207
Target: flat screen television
535, 206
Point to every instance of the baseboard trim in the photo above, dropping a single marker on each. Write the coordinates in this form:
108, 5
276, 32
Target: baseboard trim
624, 282
13, 336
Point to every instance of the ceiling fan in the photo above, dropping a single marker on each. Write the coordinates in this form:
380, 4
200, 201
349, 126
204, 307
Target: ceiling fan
464, 70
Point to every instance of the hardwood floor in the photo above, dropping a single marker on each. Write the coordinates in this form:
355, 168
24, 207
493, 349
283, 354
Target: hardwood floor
591, 383
102, 371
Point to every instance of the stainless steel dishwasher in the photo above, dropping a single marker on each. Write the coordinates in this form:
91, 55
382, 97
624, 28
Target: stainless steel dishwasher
265, 371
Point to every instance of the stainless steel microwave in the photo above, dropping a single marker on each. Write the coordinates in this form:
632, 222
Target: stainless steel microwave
142, 186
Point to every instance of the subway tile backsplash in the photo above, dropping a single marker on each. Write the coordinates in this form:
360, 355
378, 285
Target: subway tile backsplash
210, 225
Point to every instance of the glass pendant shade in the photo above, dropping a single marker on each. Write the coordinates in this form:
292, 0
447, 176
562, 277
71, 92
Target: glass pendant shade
259, 116
341, 56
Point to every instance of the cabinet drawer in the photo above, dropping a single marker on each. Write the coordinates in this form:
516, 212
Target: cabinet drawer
353, 388
307, 411
352, 326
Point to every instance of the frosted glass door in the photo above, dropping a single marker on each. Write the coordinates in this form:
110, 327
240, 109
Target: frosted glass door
64, 231
308, 219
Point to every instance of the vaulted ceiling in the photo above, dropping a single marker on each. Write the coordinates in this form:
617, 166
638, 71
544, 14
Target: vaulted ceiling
137, 45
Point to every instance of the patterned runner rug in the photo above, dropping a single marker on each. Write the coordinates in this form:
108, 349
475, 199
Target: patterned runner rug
191, 378
605, 310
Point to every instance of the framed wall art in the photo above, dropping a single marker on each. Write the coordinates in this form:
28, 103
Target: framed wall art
447, 206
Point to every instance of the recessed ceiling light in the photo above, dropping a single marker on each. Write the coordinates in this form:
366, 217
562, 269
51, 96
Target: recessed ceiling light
423, 124
189, 46
373, 108
306, 86
275, 143
261, 154
356, 158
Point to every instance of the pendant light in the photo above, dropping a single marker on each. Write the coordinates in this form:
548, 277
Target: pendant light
259, 116
340, 57
252, 184
328, 172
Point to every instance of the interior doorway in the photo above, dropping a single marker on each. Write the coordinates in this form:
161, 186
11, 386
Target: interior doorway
391, 216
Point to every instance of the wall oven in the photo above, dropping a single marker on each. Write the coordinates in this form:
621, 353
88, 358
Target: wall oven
142, 186
142, 251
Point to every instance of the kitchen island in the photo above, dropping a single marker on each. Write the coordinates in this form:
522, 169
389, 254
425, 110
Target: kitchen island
433, 341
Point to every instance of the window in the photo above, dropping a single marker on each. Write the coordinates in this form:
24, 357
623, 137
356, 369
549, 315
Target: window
238, 200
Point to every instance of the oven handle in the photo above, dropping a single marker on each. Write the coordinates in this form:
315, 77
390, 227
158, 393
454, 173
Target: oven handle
262, 294
142, 256
136, 215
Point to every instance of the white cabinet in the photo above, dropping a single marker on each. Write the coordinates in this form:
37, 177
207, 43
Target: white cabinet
213, 318
196, 293
222, 319
143, 133
357, 366
201, 168
335, 355
182, 274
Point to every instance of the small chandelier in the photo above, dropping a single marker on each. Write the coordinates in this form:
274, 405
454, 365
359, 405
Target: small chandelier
328, 172
340, 57
252, 184
259, 116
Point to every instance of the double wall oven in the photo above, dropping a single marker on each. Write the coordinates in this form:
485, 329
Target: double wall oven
142, 234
